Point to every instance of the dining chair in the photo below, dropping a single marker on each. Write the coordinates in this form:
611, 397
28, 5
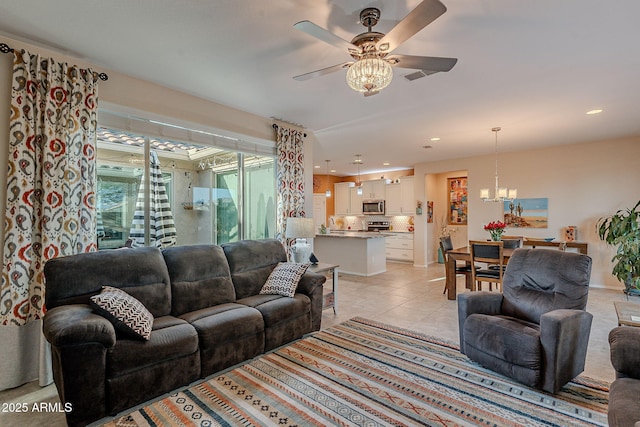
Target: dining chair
509, 242
489, 253
512, 242
445, 246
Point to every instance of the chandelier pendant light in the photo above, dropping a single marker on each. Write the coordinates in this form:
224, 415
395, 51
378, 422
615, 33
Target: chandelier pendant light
501, 194
328, 192
369, 75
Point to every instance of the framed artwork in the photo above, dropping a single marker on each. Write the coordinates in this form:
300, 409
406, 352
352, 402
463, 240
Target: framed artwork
527, 213
458, 201
429, 211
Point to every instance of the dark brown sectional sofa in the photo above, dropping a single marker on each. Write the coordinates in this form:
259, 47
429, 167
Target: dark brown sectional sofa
208, 316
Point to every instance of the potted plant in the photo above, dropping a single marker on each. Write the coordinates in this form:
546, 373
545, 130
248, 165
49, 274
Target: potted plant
622, 229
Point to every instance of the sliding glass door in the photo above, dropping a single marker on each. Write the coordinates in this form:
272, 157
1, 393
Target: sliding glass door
215, 195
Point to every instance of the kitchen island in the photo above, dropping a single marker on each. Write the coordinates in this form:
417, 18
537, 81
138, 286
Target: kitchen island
358, 253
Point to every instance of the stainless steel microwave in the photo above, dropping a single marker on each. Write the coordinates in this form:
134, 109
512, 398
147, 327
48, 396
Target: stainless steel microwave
373, 207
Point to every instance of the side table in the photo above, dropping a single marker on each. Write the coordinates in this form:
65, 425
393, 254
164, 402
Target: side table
628, 313
330, 299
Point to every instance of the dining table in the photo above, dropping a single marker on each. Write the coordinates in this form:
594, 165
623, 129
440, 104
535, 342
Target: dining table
463, 254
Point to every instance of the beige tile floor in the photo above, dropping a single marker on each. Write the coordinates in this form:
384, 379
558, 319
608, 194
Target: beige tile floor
404, 296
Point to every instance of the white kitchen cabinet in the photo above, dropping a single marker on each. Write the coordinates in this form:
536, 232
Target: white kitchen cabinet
408, 201
356, 202
393, 199
375, 189
399, 246
400, 198
342, 201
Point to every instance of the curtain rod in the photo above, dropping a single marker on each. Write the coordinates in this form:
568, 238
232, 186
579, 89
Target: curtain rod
275, 126
5, 48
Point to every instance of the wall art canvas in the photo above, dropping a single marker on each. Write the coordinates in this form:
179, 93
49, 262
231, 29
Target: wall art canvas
429, 211
458, 203
527, 213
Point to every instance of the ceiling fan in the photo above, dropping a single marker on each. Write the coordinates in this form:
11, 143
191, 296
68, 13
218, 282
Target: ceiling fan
370, 72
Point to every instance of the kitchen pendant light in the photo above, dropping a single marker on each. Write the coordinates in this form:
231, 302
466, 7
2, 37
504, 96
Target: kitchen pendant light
328, 192
501, 194
358, 162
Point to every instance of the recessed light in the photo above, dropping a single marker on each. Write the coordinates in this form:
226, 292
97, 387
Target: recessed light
595, 111
386, 164
333, 171
316, 167
435, 138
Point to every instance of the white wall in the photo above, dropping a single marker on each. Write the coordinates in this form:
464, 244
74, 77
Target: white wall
583, 183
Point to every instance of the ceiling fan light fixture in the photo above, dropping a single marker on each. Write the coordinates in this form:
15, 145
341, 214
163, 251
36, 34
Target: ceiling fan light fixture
369, 75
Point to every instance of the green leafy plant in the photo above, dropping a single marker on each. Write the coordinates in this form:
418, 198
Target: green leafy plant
622, 229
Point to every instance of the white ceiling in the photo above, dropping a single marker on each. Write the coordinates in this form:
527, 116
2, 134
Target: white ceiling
533, 67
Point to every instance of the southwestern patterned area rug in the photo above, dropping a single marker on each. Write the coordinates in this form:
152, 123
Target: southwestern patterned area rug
364, 373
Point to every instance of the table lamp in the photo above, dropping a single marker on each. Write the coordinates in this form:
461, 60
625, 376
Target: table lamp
300, 229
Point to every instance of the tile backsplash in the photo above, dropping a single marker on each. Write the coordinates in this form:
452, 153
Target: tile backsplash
397, 223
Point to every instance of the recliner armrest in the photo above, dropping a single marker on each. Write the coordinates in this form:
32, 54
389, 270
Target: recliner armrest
482, 302
564, 335
476, 303
624, 342
77, 324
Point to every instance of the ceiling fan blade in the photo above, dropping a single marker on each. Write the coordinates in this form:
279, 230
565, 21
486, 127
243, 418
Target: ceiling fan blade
424, 14
426, 63
322, 72
324, 35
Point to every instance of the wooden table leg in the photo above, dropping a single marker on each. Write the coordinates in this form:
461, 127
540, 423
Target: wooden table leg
451, 278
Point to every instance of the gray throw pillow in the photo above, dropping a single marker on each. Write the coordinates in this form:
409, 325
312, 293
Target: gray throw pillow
284, 279
127, 314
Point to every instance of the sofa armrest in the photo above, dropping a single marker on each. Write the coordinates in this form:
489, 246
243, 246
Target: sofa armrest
309, 283
77, 324
564, 335
476, 303
624, 342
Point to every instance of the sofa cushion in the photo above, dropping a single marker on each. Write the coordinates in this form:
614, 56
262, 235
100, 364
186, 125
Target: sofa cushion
128, 315
170, 338
141, 272
284, 279
199, 276
506, 345
228, 334
276, 308
251, 262
285, 319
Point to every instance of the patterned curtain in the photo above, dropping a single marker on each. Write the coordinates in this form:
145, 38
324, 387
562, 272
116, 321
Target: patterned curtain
290, 172
51, 178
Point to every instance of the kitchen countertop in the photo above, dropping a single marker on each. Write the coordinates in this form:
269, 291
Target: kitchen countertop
355, 234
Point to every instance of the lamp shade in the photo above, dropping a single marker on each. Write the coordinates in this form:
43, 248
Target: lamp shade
299, 228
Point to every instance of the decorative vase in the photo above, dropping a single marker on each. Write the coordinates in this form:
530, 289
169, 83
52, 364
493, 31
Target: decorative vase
496, 234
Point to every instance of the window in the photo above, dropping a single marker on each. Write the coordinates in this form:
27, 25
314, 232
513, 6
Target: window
215, 195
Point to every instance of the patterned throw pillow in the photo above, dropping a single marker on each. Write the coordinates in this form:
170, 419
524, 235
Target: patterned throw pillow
284, 279
126, 313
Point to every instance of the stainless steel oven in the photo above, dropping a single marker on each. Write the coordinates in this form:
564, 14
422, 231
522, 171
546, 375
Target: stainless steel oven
373, 207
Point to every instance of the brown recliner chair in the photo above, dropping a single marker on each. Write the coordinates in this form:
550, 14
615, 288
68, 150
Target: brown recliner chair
537, 330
